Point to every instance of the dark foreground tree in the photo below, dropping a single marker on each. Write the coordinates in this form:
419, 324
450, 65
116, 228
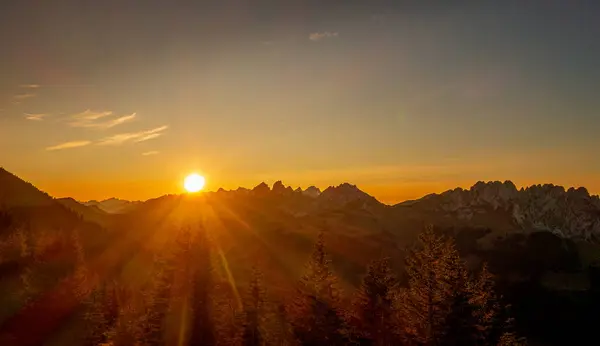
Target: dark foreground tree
158, 300
436, 280
373, 308
315, 316
444, 304
254, 312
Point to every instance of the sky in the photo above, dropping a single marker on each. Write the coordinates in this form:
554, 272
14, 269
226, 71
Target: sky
120, 98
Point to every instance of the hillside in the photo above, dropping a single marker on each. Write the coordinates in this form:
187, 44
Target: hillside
88, 213
15, 192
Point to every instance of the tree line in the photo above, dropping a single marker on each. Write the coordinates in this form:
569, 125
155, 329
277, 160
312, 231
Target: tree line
440, 302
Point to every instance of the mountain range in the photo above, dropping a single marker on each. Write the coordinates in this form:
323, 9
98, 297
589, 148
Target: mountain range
499, 206
540, 241
112, 205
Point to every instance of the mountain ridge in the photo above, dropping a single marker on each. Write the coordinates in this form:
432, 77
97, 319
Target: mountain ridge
568, 213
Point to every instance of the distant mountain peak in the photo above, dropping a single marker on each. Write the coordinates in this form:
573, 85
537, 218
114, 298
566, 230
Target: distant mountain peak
346, 193
261, 188
569, 213
278, 186
281, 189
312, 191
112, 205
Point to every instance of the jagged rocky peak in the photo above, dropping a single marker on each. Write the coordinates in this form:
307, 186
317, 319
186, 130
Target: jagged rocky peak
298, 190
495, 193
281, 189
345, 193
569, 213
312, 191
278, 186
261, 188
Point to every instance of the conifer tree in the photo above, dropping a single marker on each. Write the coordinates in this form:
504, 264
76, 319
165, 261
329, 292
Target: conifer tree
128, 330
281, 332
157, 303
97, 319
485, 306
436, 279
254, 312
374, 305
316, 318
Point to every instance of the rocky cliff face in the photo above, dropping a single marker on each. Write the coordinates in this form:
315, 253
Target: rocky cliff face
568, 213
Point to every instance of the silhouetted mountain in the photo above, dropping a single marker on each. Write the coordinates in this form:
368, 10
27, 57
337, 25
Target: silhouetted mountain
33, 209
279, 188
113, 205
312, 191
89, 213
261, 189
16, 192
344, 194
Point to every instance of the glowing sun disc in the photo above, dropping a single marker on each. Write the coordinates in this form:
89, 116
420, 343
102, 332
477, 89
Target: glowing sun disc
194, 183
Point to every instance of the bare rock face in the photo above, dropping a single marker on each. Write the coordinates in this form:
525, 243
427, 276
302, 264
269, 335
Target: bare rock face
312, 191
572, 213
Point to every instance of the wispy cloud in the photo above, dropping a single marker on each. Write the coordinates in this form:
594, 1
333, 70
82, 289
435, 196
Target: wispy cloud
140, 136
119, 120
149, 153
36, 117
17, 99
91, 119
318, 36
29, 86
69, 145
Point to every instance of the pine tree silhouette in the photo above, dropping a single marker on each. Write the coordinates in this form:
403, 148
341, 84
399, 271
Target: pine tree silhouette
436, 278
254, 313
101, 312
315, 315
373, 309
158, 300
485, 306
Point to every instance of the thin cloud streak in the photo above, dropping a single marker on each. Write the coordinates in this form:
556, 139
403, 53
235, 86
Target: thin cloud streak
29, 86
318, 36
148, 137
119, 120
35, 117
21, 97
136, 137
149, 153
69, 145
89, 119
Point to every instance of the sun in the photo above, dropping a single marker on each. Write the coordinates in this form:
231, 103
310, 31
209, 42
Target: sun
194, 183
